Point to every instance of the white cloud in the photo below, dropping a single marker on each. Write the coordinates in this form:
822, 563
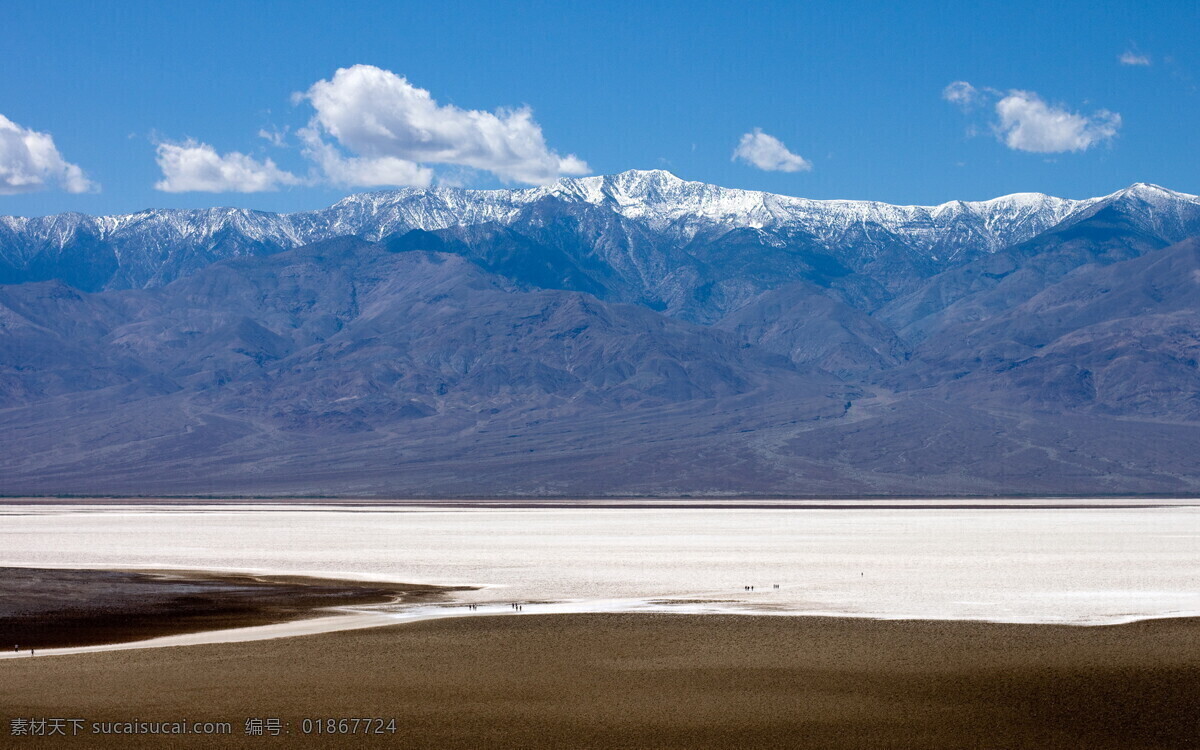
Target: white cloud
361, 171
392, 127
768, 153
192, 166
277, 137
1029, 124
961, 93
1129, 57
1025, 122
29, 161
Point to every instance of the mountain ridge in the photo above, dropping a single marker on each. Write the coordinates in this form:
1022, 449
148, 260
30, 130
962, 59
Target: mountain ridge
573, 346
37, 248
628, 184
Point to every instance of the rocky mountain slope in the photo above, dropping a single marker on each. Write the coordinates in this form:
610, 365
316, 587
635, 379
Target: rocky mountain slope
629, 334
154, 247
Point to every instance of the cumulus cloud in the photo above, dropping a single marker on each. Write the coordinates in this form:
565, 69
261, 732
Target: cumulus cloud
192, 166
961, 93
361, 171
29, 161
1026, 123
390, 128
1130, 57
768, 153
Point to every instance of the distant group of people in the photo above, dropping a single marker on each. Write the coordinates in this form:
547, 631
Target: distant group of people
513, 606
751, 588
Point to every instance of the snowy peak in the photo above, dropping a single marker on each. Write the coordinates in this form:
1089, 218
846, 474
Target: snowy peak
653, 185
663, 200
154, 246
1171, 215
1150, 192
660, 198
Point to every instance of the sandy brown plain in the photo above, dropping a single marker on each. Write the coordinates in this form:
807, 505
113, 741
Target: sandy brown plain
650, 681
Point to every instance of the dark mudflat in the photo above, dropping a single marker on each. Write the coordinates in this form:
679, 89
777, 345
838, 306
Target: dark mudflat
49, 608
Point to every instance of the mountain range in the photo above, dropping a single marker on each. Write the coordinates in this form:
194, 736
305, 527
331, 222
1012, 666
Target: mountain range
632, 334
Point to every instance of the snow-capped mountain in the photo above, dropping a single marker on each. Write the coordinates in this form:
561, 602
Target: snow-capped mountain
154, 247
666, 203
634, 333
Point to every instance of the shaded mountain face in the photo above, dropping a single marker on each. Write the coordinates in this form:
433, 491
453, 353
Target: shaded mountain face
1120, 339
346, 320
154, 247
1114, 229
629, 334
347, 343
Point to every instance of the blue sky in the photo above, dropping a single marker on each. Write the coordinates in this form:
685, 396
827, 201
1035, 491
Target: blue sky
102, 102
